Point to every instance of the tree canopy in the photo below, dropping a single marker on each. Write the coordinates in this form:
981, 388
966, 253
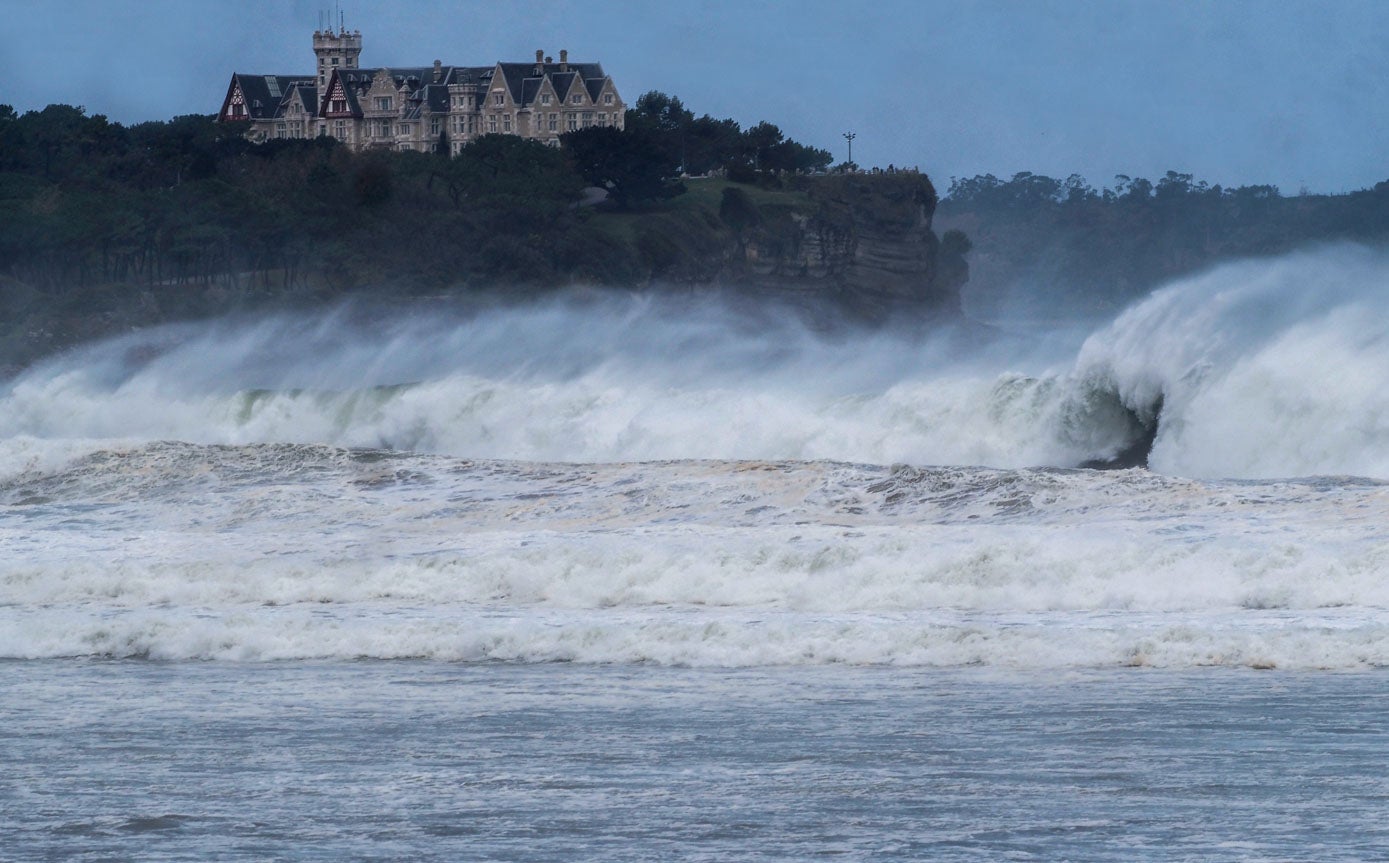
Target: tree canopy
629, 163
1065, 240
702, 144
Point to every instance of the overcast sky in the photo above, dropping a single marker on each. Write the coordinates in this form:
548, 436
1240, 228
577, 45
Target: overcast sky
1290, 93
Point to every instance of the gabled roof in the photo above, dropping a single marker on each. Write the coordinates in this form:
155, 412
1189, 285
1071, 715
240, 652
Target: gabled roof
562, 81
265, 94
304, 91
267, 97
523, 80
436, 97
466, 74
515, 75
351, 80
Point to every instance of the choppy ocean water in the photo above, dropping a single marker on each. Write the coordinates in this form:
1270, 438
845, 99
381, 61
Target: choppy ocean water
536, 762
610, 579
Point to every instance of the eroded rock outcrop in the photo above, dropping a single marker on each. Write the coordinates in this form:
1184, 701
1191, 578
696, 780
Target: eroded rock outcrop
863, 239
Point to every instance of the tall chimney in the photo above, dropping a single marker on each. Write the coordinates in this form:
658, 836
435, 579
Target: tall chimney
563, 60
438, 71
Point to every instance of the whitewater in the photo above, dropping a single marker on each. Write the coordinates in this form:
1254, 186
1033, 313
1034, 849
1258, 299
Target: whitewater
604, 479
609, 577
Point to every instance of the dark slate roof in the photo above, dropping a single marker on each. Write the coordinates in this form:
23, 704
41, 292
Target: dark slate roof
412, 78
589, 70
562, 81
304, 91
516, 74
265, 94
356, 77
436, 97
523, 83
466, 74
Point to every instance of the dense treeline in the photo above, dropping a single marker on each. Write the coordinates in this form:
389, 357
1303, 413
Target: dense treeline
1040, 241
86, 201
703, 144
185, 217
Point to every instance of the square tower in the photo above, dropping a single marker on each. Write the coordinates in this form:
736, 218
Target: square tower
335, 50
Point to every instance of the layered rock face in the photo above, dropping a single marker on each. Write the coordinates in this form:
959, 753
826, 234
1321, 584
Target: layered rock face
866, 240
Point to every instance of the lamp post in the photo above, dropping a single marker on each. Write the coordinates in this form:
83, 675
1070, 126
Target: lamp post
850, 136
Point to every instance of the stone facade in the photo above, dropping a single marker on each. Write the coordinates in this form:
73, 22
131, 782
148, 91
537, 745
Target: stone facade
421, 108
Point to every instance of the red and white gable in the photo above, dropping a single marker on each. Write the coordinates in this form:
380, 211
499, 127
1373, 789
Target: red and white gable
234, 105
335, 101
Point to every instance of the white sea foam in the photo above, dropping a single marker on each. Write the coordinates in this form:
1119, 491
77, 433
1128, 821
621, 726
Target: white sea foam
1261, 369
1326, 641
613, 481
279, 552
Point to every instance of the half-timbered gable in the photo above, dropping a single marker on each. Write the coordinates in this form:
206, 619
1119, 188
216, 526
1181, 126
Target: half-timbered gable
418, 107
340, 98
260, 101
234, 107
341, 111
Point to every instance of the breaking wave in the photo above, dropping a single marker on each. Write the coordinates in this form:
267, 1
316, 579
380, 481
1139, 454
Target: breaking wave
639, 480
270, 552
1256, 369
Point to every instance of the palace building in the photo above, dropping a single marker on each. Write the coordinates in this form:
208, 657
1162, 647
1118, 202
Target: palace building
419, 108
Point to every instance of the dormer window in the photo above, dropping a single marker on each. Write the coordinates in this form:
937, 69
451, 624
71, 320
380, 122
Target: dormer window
497, 99
545, 100
608, 99
383, 103
576, 100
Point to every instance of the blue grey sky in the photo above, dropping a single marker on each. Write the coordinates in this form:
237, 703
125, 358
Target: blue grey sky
1280, 91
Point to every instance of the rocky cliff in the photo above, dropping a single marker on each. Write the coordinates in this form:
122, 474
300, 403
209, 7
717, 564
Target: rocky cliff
866, 240
860, 247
